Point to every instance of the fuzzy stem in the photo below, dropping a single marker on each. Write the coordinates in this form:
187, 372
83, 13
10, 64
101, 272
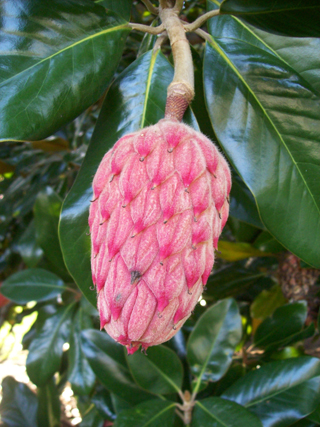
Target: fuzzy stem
203, 35
201, 20
178, 6
160, 40
146, 29
152, 9
181, 90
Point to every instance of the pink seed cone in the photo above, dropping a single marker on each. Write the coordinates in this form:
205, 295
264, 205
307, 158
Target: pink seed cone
160, 203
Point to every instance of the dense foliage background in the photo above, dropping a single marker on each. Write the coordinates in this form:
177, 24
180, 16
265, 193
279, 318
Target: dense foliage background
73, 79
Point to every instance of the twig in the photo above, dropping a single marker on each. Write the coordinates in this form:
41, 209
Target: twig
181, 90
163, 4
201, 20
152, 9
204, 35
179, 5
160, 40
146, 29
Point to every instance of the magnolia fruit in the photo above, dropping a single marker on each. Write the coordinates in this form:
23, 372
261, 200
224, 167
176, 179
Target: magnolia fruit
160, 203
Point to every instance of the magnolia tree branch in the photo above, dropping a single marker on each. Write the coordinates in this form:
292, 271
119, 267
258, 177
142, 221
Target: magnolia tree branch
147, 29
201, 20
152, 9
181, 90
178, 6
160, 40
204, 35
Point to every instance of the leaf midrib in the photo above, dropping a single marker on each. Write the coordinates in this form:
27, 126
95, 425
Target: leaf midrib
270, 49
222, 53
164, 375
270, 12
148, 86
205, 364
158, 414
271, 395
48, 58
210, 413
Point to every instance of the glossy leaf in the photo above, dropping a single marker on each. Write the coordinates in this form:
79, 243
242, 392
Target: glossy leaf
49, 405
231, 280
121, 7
299, 53
108, 362
58, 58
46, 216
80, 374
155, 413
305, 423
92, 418
236, 251
286, 17
242, 203
136, 99
19, 404
161, 372
315, 416
33, 284
213, 340
45, 350
29, 248
274, 145
217, 412
148, 40
103, 403
279, 393
285, 322
267, 243
267, 302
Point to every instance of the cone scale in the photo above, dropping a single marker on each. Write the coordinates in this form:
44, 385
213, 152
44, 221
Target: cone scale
160, 203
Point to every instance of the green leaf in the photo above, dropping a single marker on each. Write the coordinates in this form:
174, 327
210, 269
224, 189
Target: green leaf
267, 243
45, 350
242, 203
213, 340
315, 416
92, 418
121, 7
108, 362
46, 216
285, 322
281, 392
154, 413
297, 52
236, 251
274, 144
266, 302
80, 374
148, 40
286, 17
19, 405
217, 412
33, 284
28, 247
60, 57
49, 405
232, 280
305, 423
103, 403
135, 100
160, 373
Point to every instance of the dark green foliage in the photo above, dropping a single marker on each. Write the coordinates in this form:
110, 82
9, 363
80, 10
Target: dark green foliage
73, 73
